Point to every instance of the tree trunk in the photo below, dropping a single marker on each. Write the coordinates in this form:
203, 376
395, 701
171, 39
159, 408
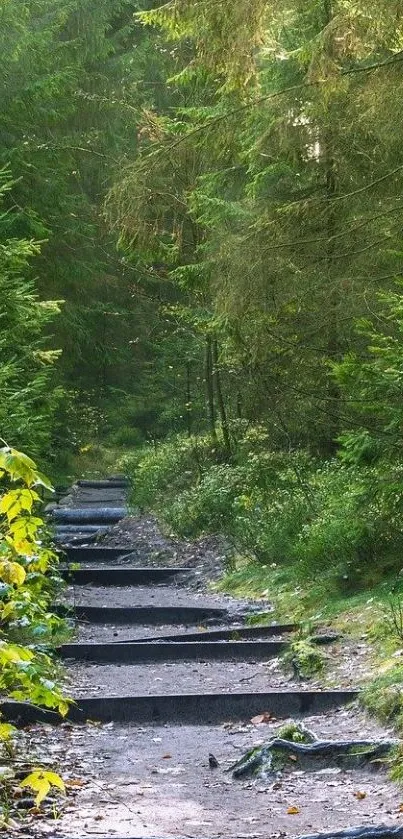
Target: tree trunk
333, 344
188, 406
211, 416
220, 399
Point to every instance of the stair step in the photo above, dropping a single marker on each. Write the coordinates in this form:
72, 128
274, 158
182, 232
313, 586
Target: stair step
147, 615
88, 515
205, 709
233, 633
95, 554
146, 652
121, 575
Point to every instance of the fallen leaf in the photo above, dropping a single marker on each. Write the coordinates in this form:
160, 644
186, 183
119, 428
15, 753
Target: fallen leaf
292, 757
360, 795
400, 810
75, 782
166, 757
293, 811
261, 718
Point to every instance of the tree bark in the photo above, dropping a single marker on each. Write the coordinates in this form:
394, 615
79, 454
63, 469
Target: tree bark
211, 414
333, 344
220, 399
188, 406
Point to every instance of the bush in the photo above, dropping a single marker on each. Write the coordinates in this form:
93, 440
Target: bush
127, 436
160, 471
337, 519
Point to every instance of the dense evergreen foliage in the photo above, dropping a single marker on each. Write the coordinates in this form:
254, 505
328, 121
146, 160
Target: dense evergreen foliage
212, 193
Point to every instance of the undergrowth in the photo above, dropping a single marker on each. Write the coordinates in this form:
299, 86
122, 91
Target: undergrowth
308, 519
29, 582
319, 540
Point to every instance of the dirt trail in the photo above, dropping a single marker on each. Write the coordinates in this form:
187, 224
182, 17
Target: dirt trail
155, 780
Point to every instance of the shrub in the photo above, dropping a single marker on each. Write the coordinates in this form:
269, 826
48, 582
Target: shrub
160, 471
127, 435
338, 519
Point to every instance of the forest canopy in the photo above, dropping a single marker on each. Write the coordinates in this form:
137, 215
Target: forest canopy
201, 235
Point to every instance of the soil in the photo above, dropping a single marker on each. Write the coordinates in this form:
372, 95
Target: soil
150, 596
108, 633
142, 534
179, 677
155, 781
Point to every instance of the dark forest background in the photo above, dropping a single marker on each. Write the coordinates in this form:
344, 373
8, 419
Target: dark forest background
201, 262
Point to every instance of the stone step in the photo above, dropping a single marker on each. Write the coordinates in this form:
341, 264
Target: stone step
88, 515
145, 652
121, 575
203, 709
147, 615
95, 554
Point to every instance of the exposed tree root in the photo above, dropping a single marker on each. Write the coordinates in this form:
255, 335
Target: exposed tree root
371, 832
296, 740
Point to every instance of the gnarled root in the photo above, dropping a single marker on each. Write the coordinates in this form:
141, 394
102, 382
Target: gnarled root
270, 757
368, 832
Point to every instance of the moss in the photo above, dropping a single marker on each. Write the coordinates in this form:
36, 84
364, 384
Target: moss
295, 732
305, 659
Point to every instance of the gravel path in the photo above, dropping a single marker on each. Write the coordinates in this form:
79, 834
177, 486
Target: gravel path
154, 781
179, 677
147, 596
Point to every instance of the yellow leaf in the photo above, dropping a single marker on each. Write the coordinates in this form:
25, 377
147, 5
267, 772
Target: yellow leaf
6, 731
293, 811
18, 465
63, 707
17, 500
40, 781
39, 785
55, 780
360, 795
13, 654
12, 572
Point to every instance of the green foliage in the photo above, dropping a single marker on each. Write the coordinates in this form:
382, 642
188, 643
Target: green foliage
225, 38
74, 78
25, 361
28, 581
372, 383
295, 732
283, 508
383, 697
172, 466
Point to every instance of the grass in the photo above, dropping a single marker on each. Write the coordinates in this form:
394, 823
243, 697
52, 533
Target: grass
372, 615
295, 601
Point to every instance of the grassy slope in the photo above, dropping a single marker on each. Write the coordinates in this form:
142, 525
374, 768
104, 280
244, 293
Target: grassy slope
365, 616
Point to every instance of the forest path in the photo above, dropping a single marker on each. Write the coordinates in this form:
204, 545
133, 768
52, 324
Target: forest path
169, 674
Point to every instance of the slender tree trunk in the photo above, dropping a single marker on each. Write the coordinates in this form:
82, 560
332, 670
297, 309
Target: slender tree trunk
333, 342
211, 415
220, 399
239, 405
188, 406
